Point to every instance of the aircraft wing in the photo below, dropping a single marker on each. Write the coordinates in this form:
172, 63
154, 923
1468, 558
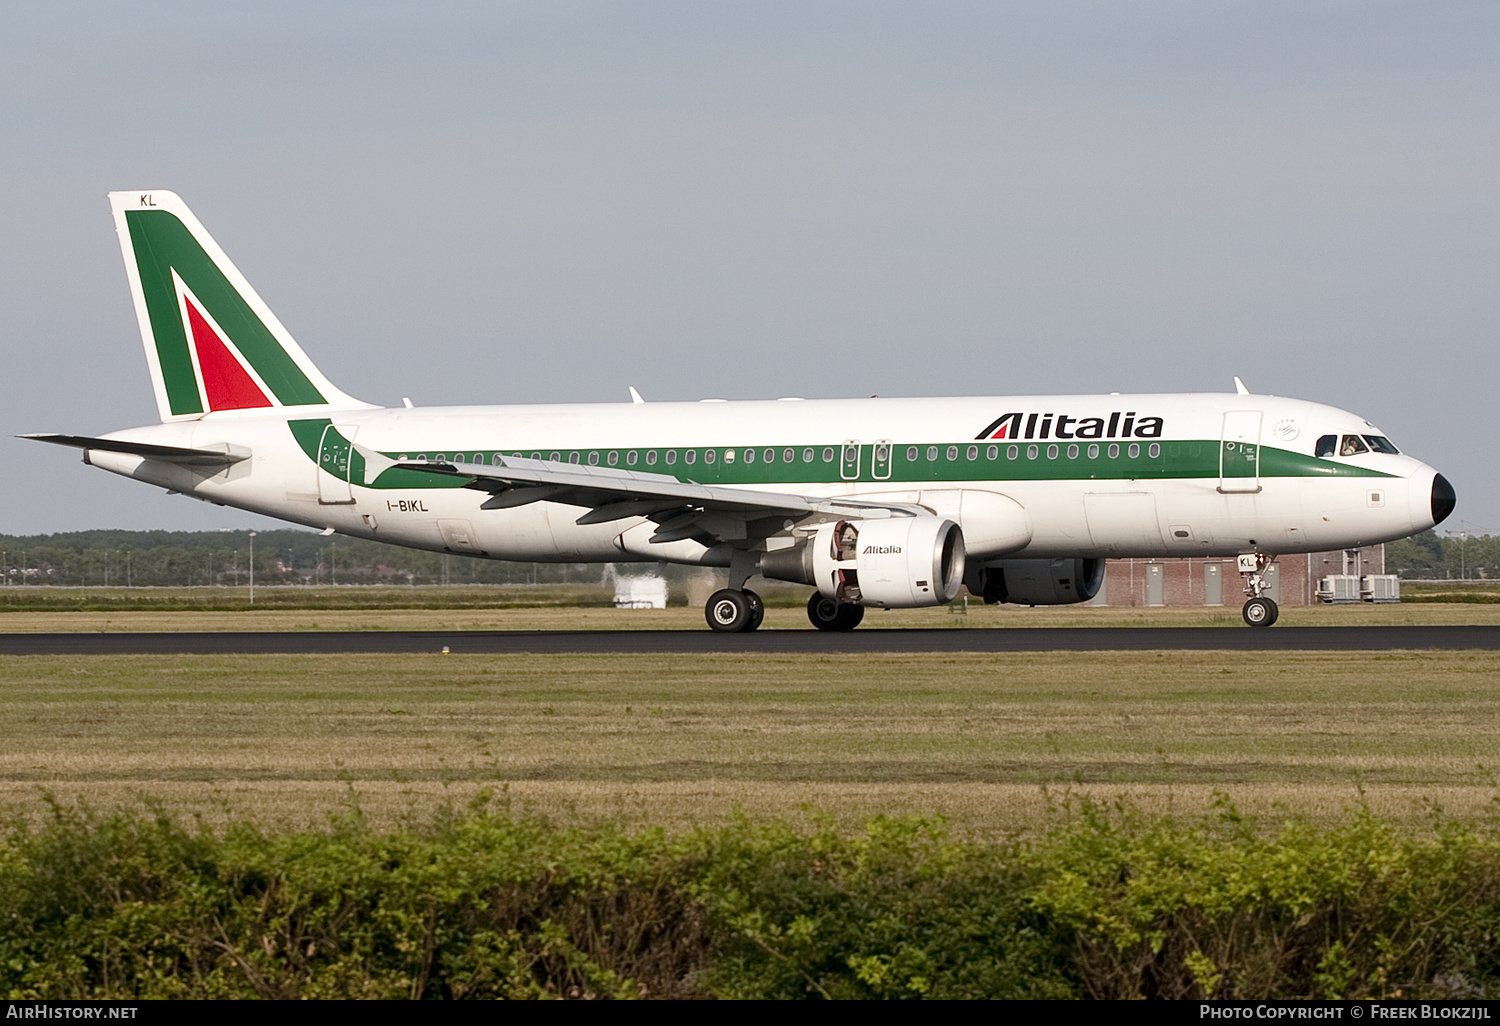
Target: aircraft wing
226, 456
681, 507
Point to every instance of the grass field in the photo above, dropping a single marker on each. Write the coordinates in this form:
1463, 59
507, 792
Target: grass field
993, 742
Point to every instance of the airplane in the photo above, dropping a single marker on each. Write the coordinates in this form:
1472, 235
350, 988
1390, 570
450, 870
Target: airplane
884, 503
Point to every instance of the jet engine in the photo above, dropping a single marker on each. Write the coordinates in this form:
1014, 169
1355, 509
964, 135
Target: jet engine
1036, 582
899, 563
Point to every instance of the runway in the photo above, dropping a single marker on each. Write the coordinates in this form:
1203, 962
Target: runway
808, 642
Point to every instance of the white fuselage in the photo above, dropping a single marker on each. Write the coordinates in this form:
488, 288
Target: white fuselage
1085, 494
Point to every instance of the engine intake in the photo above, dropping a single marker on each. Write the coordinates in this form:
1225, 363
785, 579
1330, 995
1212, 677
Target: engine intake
900, 563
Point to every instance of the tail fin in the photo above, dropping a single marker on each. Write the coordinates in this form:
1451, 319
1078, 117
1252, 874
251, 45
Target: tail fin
211, 342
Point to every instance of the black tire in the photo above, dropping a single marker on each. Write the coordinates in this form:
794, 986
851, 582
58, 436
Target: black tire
828, 615
1260, 612
730, 612
757, 610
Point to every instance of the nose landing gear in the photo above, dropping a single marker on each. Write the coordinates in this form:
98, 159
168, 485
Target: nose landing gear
1259, 611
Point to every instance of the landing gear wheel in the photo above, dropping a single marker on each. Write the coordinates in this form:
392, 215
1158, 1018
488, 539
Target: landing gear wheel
731, 612
757, 610
828, 615
1260, 612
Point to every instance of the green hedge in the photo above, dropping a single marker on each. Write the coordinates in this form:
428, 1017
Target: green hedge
479, 903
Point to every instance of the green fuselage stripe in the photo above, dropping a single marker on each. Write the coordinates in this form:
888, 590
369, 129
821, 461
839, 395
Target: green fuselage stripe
1175, 460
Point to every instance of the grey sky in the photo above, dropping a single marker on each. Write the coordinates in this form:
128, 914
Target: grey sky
507, 203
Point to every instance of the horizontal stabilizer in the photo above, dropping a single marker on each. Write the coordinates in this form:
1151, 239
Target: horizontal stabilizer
225, 457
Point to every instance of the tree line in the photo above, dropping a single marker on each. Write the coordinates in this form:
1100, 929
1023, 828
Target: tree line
1431, 556
222, 558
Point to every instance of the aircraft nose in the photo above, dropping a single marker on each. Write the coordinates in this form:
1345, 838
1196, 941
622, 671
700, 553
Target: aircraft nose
1443, 499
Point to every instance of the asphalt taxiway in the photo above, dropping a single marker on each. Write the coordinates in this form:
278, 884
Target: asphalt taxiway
704, 642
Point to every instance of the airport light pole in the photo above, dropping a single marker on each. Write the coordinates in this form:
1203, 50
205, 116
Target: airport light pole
252, 568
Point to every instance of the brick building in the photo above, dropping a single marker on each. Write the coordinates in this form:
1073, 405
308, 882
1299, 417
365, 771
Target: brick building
1199, 582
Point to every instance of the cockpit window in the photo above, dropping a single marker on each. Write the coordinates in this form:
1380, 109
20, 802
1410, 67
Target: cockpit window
1327, 445
1380, 443
1353, 446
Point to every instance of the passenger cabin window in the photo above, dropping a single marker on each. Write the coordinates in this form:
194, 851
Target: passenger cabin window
1353, 445
671, 456
992, 453
911, 454
788, 455
630, 458
1326, 445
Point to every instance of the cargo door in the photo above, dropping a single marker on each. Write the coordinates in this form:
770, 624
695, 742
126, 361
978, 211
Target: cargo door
1123, 523
458, 536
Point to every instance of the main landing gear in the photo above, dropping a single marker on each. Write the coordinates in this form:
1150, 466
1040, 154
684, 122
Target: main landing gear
734, 610
1259, 611
828, 615
738, 610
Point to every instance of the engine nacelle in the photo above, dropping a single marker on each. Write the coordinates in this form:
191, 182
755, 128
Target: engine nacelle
900, 563
1036, 582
